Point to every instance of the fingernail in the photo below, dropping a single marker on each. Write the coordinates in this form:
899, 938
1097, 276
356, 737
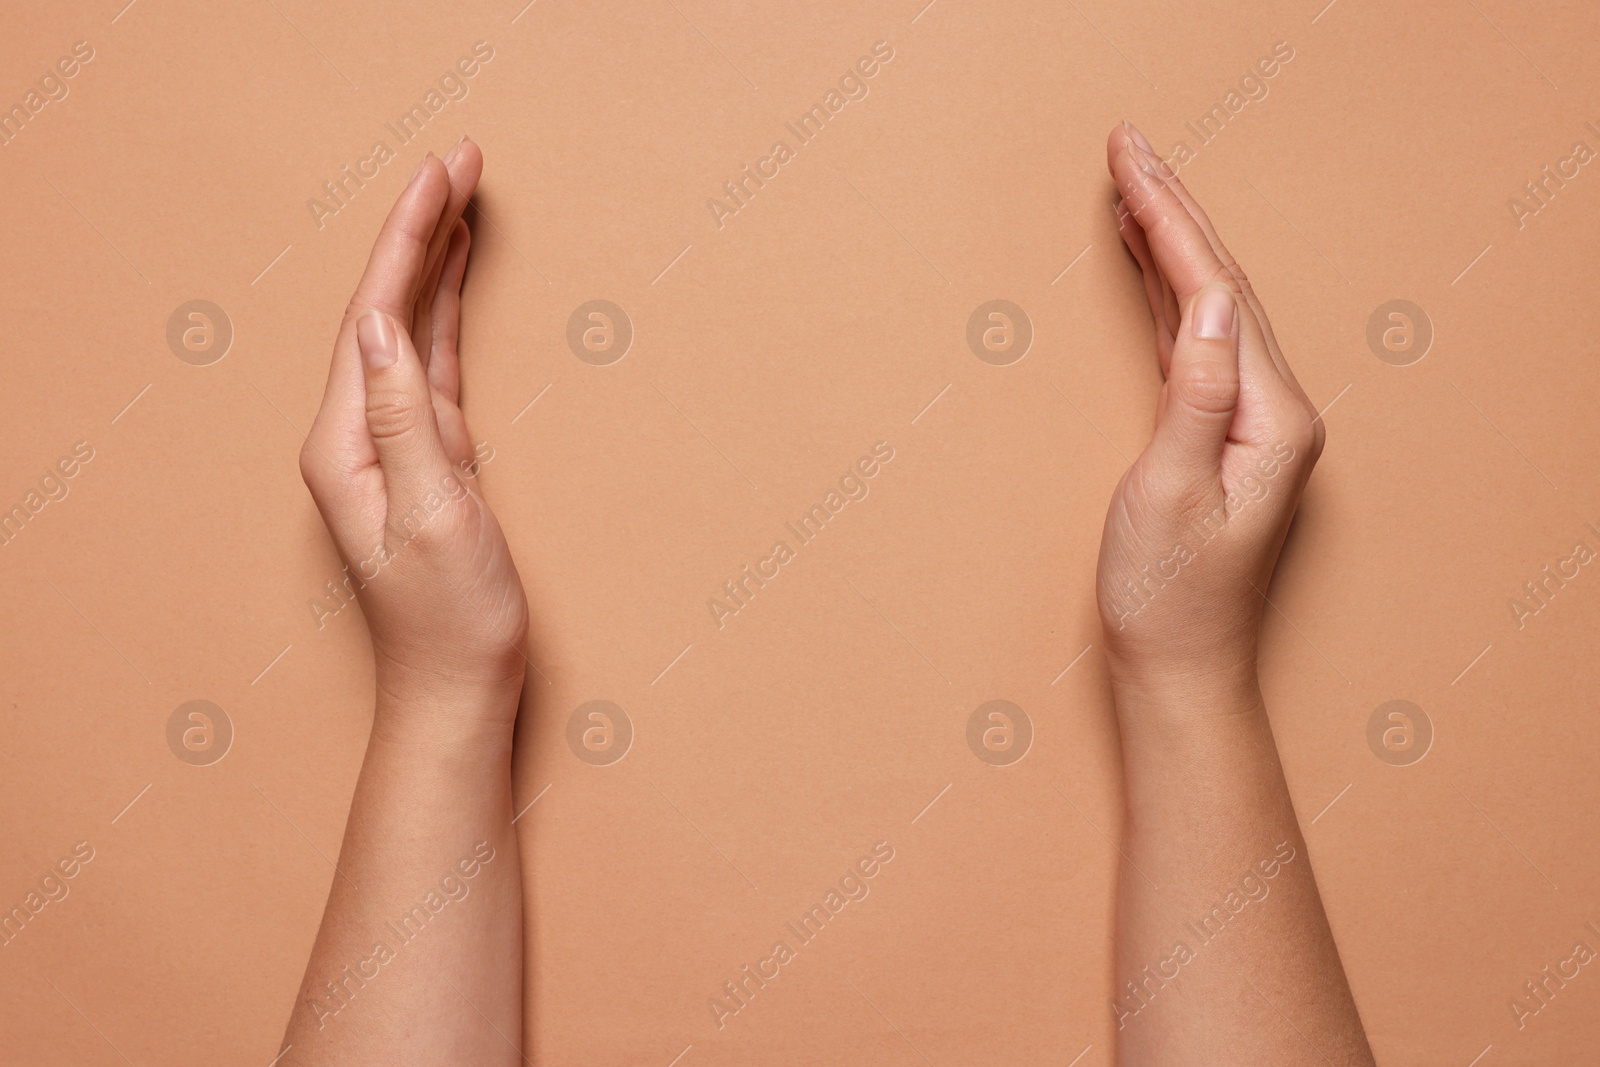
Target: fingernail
1213, 315
423, 162
450, 156
1138, 138
376, 338
1144, 163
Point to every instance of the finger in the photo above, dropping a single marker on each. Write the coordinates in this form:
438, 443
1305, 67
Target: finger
399, 409
1133, 237
1202, 391
399, 257
1177, 244
463, 166
444, 369
1198, 213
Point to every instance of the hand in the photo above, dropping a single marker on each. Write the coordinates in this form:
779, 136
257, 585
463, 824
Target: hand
392, 467
1195, 526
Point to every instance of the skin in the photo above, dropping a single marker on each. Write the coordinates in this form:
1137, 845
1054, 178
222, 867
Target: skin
389, 462
1190, 542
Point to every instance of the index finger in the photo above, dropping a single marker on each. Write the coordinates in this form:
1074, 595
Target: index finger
400, 255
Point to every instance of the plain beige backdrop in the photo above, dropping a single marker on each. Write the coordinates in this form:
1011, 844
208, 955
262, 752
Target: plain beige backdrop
829, 313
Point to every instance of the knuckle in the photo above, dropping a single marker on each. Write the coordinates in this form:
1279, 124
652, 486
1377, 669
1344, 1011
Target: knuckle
1208, 385
392, 413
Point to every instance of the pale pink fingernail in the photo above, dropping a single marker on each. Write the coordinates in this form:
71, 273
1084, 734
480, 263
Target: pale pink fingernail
376, 338
1138, 138
1213, 315
450, 156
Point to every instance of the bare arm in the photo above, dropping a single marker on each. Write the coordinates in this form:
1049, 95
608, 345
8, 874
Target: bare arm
1224, 954
419, 957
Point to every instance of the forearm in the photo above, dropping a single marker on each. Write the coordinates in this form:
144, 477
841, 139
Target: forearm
1223, 949
419, 957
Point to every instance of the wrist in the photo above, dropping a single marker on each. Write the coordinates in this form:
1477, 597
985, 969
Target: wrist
1175, 695
446, 708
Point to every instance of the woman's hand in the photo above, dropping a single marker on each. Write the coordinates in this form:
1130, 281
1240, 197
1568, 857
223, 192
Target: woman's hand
1195, 526
392, 467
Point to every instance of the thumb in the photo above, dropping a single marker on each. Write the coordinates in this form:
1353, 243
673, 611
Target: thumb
400, 413
1202, 385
